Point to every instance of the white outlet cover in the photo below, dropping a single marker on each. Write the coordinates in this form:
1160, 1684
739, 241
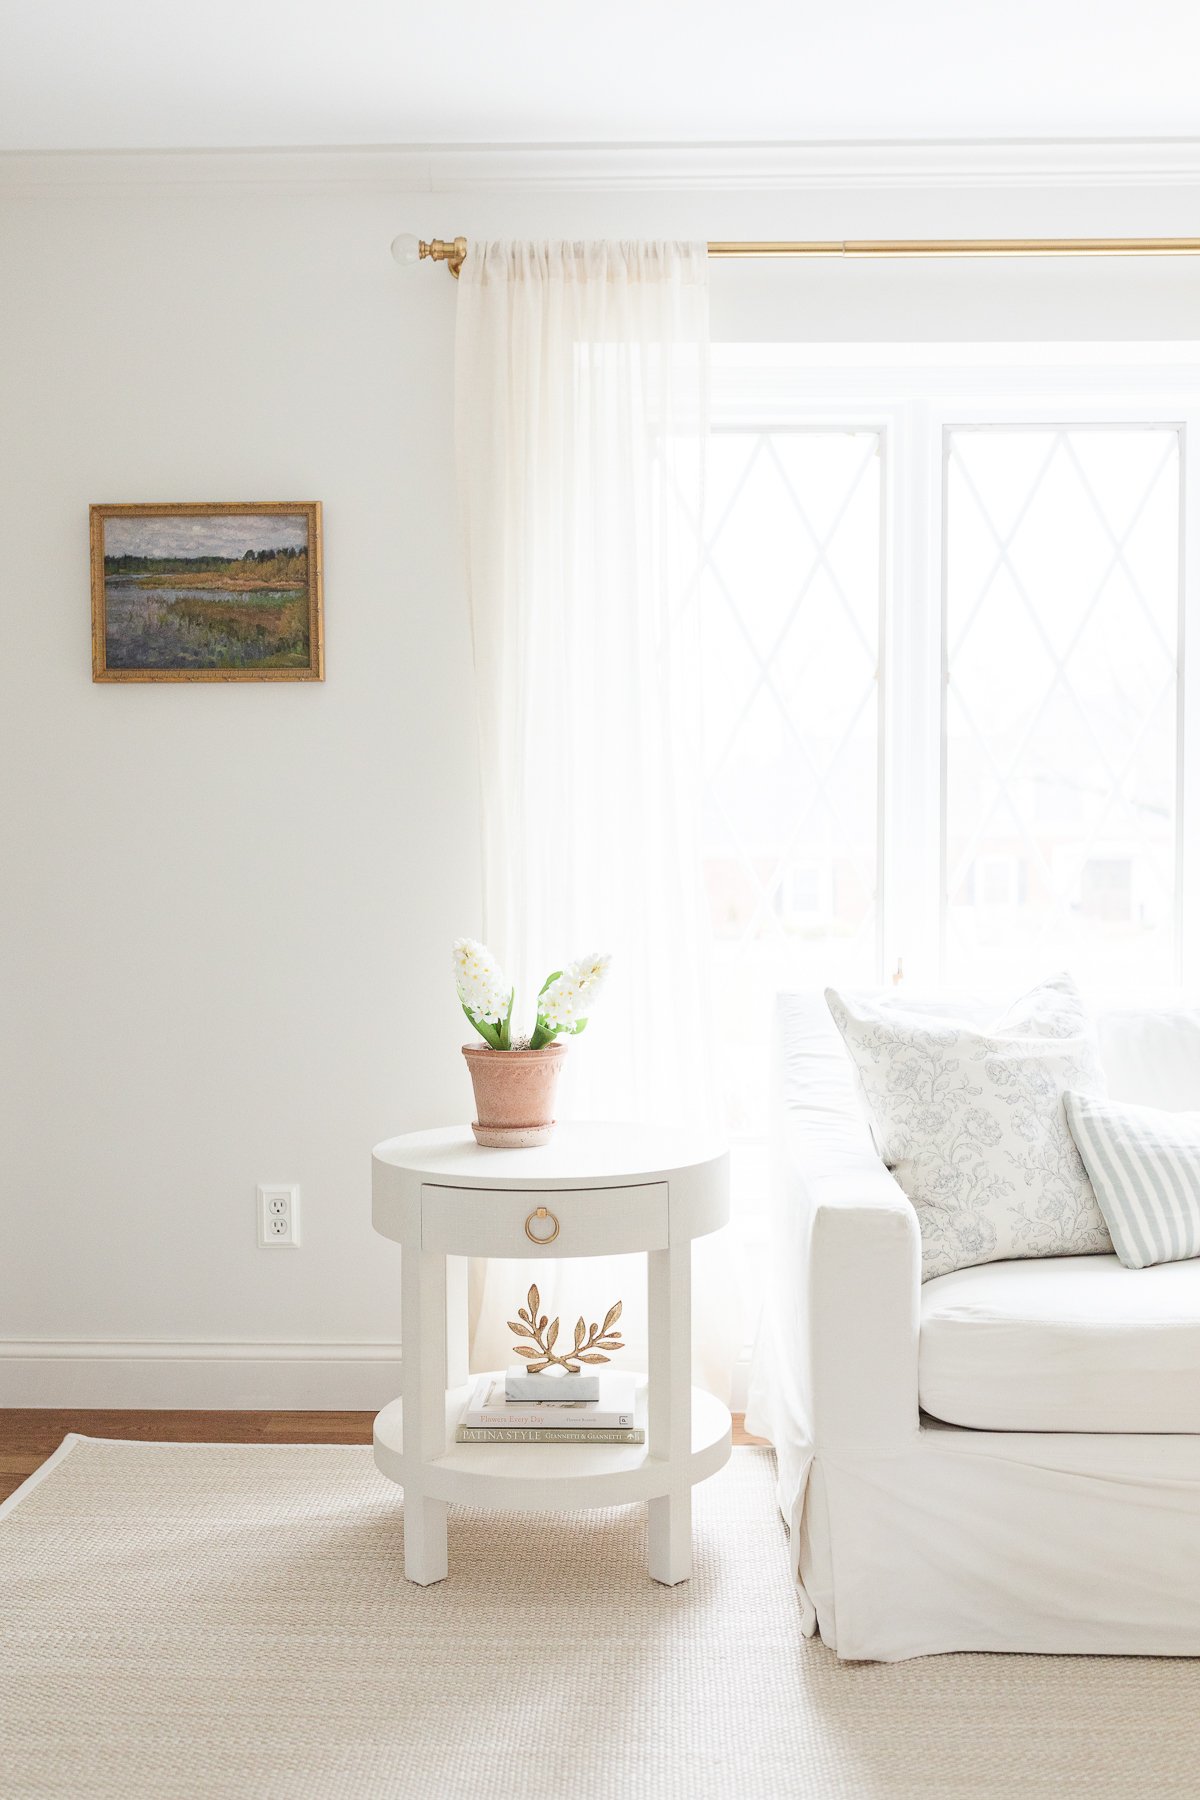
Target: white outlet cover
278, 1216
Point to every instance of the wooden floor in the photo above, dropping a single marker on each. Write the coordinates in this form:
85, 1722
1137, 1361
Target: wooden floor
28, 1435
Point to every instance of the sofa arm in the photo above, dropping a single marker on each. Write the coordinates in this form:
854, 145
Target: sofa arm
847, 1287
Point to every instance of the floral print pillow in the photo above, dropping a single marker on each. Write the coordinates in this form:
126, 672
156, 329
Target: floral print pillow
972, 1125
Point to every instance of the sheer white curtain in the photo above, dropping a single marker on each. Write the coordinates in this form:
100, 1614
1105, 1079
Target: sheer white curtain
580, 400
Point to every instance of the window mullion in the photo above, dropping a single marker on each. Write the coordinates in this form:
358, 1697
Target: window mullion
912, 792
1188, 807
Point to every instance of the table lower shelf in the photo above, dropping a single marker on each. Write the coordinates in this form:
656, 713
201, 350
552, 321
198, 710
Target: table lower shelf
547, 1477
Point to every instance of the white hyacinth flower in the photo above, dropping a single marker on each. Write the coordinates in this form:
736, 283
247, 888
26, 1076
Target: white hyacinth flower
566, 1002
483, 989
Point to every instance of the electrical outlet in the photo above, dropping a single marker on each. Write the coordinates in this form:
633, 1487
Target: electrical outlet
278, 1218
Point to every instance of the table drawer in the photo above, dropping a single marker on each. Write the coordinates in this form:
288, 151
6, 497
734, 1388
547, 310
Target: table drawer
504, 1221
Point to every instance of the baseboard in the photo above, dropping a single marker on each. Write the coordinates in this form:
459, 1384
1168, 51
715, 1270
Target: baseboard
206, 1376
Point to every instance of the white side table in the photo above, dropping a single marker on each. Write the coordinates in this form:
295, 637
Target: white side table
608, 1189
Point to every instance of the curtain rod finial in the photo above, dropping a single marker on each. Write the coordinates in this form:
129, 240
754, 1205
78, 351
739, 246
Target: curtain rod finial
407, 249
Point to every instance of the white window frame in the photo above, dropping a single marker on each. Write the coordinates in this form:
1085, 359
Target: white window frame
914, 405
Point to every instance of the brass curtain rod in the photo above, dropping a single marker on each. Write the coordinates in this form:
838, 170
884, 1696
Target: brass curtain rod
453, 251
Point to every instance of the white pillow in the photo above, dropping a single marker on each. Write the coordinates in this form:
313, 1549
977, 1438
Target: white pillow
971, 1123
1145, 1168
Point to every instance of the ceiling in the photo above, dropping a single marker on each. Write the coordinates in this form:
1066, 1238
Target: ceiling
174, 74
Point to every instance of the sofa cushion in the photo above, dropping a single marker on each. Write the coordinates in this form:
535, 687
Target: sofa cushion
971, 1123
1073, 1343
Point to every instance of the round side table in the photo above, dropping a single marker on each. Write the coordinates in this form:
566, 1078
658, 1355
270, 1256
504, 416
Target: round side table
594, 1190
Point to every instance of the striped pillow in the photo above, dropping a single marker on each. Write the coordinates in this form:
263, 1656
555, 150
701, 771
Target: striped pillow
1145, 1169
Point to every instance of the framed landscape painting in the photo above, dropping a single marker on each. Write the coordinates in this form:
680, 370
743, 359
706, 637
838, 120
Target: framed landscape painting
207, 593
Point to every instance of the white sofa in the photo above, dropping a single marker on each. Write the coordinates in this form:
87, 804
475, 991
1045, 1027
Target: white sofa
1006, 1458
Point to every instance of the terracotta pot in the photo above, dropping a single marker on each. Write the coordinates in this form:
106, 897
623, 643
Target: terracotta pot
514, 1094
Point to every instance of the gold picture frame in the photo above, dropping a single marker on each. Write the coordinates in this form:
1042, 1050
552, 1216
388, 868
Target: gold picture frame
215, 591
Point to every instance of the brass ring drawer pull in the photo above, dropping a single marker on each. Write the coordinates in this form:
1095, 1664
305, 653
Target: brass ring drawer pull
535, 1237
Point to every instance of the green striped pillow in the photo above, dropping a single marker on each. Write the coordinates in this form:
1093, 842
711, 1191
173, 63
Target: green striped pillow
1145, 1168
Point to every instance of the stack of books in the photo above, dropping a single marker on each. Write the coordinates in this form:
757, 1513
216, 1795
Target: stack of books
491, 1418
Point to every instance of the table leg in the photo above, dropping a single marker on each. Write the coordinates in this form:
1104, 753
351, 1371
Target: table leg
423, 1357
670, 1537
425, 1553
458, 1343
670, 1308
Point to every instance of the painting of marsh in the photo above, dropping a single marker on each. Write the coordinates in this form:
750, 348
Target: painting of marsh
206, 593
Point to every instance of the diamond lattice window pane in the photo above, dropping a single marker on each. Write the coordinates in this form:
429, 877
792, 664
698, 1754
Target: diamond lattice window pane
791, 600
1062, 608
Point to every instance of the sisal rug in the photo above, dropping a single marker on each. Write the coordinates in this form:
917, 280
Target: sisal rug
193, 1620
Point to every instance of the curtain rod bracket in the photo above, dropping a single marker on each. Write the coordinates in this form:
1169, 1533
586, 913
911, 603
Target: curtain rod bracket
453, 252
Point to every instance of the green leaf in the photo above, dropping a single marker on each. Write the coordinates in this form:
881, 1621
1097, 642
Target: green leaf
576, 1029
555, 977
488, 1032
506, 1027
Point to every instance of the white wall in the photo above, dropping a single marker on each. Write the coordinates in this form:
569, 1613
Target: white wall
225, 910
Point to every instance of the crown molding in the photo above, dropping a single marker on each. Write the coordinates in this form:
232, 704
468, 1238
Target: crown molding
499, 168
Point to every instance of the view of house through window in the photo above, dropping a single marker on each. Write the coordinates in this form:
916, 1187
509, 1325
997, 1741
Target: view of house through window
979, 591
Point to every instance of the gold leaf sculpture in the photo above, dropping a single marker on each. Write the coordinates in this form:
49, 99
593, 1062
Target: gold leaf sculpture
592, 1342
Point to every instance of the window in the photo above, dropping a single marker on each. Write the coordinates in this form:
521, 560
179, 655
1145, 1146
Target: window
943, 699
1061, 651
791, 606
